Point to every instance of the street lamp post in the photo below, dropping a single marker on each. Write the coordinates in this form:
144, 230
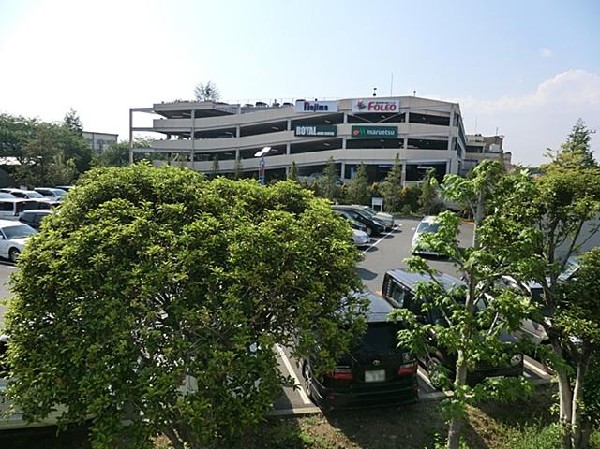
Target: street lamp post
261, 166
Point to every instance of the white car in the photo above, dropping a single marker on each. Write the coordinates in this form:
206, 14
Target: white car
13, 236
428, 224
360, 238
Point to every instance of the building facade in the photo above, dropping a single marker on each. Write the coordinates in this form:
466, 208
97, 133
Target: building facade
99, 141
220, 137
480, 148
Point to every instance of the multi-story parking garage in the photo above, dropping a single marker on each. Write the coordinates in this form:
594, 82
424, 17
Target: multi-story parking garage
211, 136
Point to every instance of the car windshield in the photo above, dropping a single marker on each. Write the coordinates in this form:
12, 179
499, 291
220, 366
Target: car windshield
427, 227
380, 337
19, 231
33, 194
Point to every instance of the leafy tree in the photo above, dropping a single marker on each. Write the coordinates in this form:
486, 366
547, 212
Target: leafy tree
328, 185
467, 329
237, 167
576, 151
564, 217
117, 154
358, 187
293, 172
215, 167
199, 280
579, 318
427, 200
391, 187
73, 122
207, 92
15, 131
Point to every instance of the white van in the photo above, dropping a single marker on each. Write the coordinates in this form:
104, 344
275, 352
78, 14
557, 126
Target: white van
11, 208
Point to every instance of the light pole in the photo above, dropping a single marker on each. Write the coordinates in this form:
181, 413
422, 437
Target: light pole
261, 167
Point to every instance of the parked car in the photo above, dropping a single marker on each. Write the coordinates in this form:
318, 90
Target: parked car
65, 188
360, 238
398, 289
374, 227
13, 236
387, 219
374, 373
428, 224
11, 208
34, 217
51, 192
533, 329
29, 194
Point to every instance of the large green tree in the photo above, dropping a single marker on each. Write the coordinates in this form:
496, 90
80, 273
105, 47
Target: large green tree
358, 187
328, 184
157, 297
476, 314
576, 151
391, 187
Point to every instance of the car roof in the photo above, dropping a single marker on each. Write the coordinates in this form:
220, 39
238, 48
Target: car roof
37, 211
429, 219
378, 308
409, 278
10, 223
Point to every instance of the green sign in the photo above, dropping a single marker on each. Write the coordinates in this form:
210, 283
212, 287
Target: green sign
315, 131
374, 132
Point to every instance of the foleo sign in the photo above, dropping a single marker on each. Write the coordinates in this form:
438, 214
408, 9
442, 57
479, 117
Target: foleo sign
374, 105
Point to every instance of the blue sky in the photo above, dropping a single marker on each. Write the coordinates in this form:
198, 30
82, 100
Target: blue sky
528, 69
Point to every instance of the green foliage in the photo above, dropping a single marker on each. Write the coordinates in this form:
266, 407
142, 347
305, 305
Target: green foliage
49, 154
293, 173
328, 184
157, 296
237, 167
428, 197
532, 437
73, 122
391, 187
117, 154
576, 151
472, 316
358, 187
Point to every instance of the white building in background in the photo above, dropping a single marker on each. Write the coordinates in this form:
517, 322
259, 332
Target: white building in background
421, 132
99, 141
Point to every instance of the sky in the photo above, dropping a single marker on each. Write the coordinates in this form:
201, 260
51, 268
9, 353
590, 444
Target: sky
523, 69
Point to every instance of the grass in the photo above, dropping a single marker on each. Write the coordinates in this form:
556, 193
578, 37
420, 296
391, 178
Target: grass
524, 424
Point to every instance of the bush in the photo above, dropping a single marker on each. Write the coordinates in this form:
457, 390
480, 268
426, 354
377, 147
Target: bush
532, 437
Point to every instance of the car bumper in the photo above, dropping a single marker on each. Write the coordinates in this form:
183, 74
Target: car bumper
382, 396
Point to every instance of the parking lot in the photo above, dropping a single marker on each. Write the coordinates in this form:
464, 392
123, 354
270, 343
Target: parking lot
385, 252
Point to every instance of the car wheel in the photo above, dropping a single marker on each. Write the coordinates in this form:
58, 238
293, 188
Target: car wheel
307, 382
13, 255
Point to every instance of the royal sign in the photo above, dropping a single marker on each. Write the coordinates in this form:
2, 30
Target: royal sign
374, 132
315, 131
316, 106
372, 105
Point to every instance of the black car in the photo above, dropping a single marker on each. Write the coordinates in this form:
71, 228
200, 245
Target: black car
34, 217
374, 227
374, 373
398, 289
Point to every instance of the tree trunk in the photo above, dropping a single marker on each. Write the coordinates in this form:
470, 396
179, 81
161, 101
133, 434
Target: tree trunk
457, 422
566, 400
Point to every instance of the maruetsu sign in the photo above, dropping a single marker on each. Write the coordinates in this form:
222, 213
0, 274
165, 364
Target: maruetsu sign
381, 106
374, 132
316, 106
315, 131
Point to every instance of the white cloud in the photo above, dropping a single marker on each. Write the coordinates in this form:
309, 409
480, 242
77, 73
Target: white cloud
546, 53
543, 119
